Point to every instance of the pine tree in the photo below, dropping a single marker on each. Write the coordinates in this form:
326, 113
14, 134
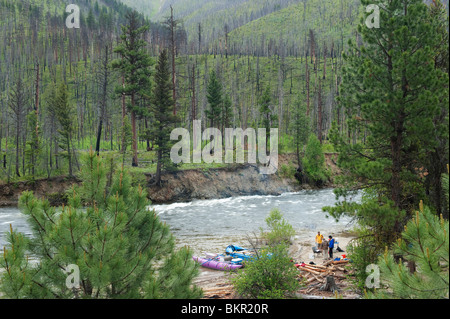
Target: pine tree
215, 99
314, 161
162, 111
33, 149
18, 102
268, 118
135, 65
425, 243
301, 127
63, 111
392, 84
227, 112
121, 249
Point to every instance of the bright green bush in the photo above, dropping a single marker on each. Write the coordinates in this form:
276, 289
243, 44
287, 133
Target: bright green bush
280, 231
270, 275
417, 265
314, 162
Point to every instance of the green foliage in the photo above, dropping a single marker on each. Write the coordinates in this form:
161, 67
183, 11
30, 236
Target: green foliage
332, 19
227, 112
126, 134
268, 116
417, 265
398, 93
162, 111
121, 248
215, 99
314, 161
270, 275
34, 146
363, 251
287, 171
63, 111
280, 231
301, 125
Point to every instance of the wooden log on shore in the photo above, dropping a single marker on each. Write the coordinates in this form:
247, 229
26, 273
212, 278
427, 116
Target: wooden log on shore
337, 262
329, 262
314, 268
309, 270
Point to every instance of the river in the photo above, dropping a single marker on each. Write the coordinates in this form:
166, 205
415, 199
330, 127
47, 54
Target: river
211, 225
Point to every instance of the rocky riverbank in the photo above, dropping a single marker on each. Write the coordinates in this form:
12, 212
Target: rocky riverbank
184, 185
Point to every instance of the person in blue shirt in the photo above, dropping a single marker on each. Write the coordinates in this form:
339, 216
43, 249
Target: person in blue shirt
330, 246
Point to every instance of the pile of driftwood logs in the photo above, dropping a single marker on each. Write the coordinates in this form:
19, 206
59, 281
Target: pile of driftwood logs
330, 276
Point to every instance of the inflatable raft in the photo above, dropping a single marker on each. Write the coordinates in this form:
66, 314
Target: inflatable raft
216, 264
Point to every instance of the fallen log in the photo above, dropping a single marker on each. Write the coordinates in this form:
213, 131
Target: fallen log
309, 270
339, 276
337, 262
329, 262
316, 266
315, 269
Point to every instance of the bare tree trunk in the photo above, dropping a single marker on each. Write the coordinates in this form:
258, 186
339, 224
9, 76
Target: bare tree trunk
307, 88
319, 111
173, 48
133, 128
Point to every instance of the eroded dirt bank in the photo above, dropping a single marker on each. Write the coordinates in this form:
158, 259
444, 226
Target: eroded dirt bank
183, 185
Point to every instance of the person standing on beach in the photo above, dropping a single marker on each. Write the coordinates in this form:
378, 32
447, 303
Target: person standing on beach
319, 240
330, 246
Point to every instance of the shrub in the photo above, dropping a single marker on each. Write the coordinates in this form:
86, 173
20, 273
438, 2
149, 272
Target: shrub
270, 275
417, 265
314, 162
280, 231
287, 171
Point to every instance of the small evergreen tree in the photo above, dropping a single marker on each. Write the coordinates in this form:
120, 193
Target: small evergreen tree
270, 274
215, 99
268, 116
122, 249
314, 161
33, 149
134, 64
162, 111
63, 111
280, 231
425, 244
301, 127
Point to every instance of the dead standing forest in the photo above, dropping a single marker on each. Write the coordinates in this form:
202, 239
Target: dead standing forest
39, 52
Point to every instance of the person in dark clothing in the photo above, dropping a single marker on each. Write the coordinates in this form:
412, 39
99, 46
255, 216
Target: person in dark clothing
330, 246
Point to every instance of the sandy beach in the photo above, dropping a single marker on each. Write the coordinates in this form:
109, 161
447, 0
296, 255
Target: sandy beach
216, 284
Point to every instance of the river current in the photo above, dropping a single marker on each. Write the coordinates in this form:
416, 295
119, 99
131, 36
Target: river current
211, 225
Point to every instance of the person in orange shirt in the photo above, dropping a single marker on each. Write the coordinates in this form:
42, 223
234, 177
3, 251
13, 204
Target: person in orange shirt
319, 240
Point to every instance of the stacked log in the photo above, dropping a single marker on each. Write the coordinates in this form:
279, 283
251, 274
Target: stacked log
330, 276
